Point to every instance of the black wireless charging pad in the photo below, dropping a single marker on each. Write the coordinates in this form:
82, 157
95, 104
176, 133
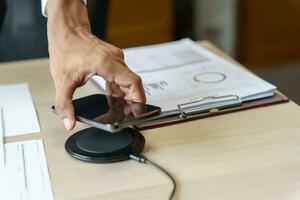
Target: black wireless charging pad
99, 146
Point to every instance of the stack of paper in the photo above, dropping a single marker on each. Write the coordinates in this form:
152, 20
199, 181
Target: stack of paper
25, 176
23, 169
180, 72
19, 114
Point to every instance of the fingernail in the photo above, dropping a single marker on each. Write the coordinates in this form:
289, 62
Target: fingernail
67, 124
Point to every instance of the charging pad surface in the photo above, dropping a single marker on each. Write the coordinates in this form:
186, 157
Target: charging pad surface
96, 145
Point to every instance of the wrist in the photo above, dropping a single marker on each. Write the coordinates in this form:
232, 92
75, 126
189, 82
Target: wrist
67, 15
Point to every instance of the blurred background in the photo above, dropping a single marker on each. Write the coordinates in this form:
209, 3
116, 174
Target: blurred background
262, 35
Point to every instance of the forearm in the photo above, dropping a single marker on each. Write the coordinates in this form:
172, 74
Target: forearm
67, 19
67, 15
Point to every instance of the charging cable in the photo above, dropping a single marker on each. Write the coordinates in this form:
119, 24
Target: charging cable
142, 159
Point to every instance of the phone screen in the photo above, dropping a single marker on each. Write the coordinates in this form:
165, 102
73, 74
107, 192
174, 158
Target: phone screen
101, 109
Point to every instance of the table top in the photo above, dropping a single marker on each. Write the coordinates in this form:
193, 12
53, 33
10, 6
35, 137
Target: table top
253, 154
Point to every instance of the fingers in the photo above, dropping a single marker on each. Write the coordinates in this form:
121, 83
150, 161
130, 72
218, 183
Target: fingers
114, 90
64, 105
131, 85
136, 91
123, 82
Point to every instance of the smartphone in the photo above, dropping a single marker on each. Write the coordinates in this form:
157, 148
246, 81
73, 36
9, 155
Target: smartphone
111, 114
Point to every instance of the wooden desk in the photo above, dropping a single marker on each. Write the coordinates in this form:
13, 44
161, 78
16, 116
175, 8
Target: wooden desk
254, 154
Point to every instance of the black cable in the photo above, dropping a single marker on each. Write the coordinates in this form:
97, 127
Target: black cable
142, 159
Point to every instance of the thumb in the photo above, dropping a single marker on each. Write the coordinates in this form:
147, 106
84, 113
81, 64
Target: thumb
65, 107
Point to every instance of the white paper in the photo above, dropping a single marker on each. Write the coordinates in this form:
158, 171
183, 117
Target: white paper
19, 112
182, 71
26, 175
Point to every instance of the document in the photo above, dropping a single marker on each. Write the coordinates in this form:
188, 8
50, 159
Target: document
19, 115
182, 71
25, 176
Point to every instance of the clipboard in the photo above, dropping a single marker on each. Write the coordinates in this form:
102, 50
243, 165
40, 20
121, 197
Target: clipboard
188, 113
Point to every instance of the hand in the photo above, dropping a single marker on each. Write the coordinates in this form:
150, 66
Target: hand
76, 55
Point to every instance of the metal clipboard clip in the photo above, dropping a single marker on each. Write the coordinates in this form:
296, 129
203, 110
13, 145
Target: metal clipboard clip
208, 105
